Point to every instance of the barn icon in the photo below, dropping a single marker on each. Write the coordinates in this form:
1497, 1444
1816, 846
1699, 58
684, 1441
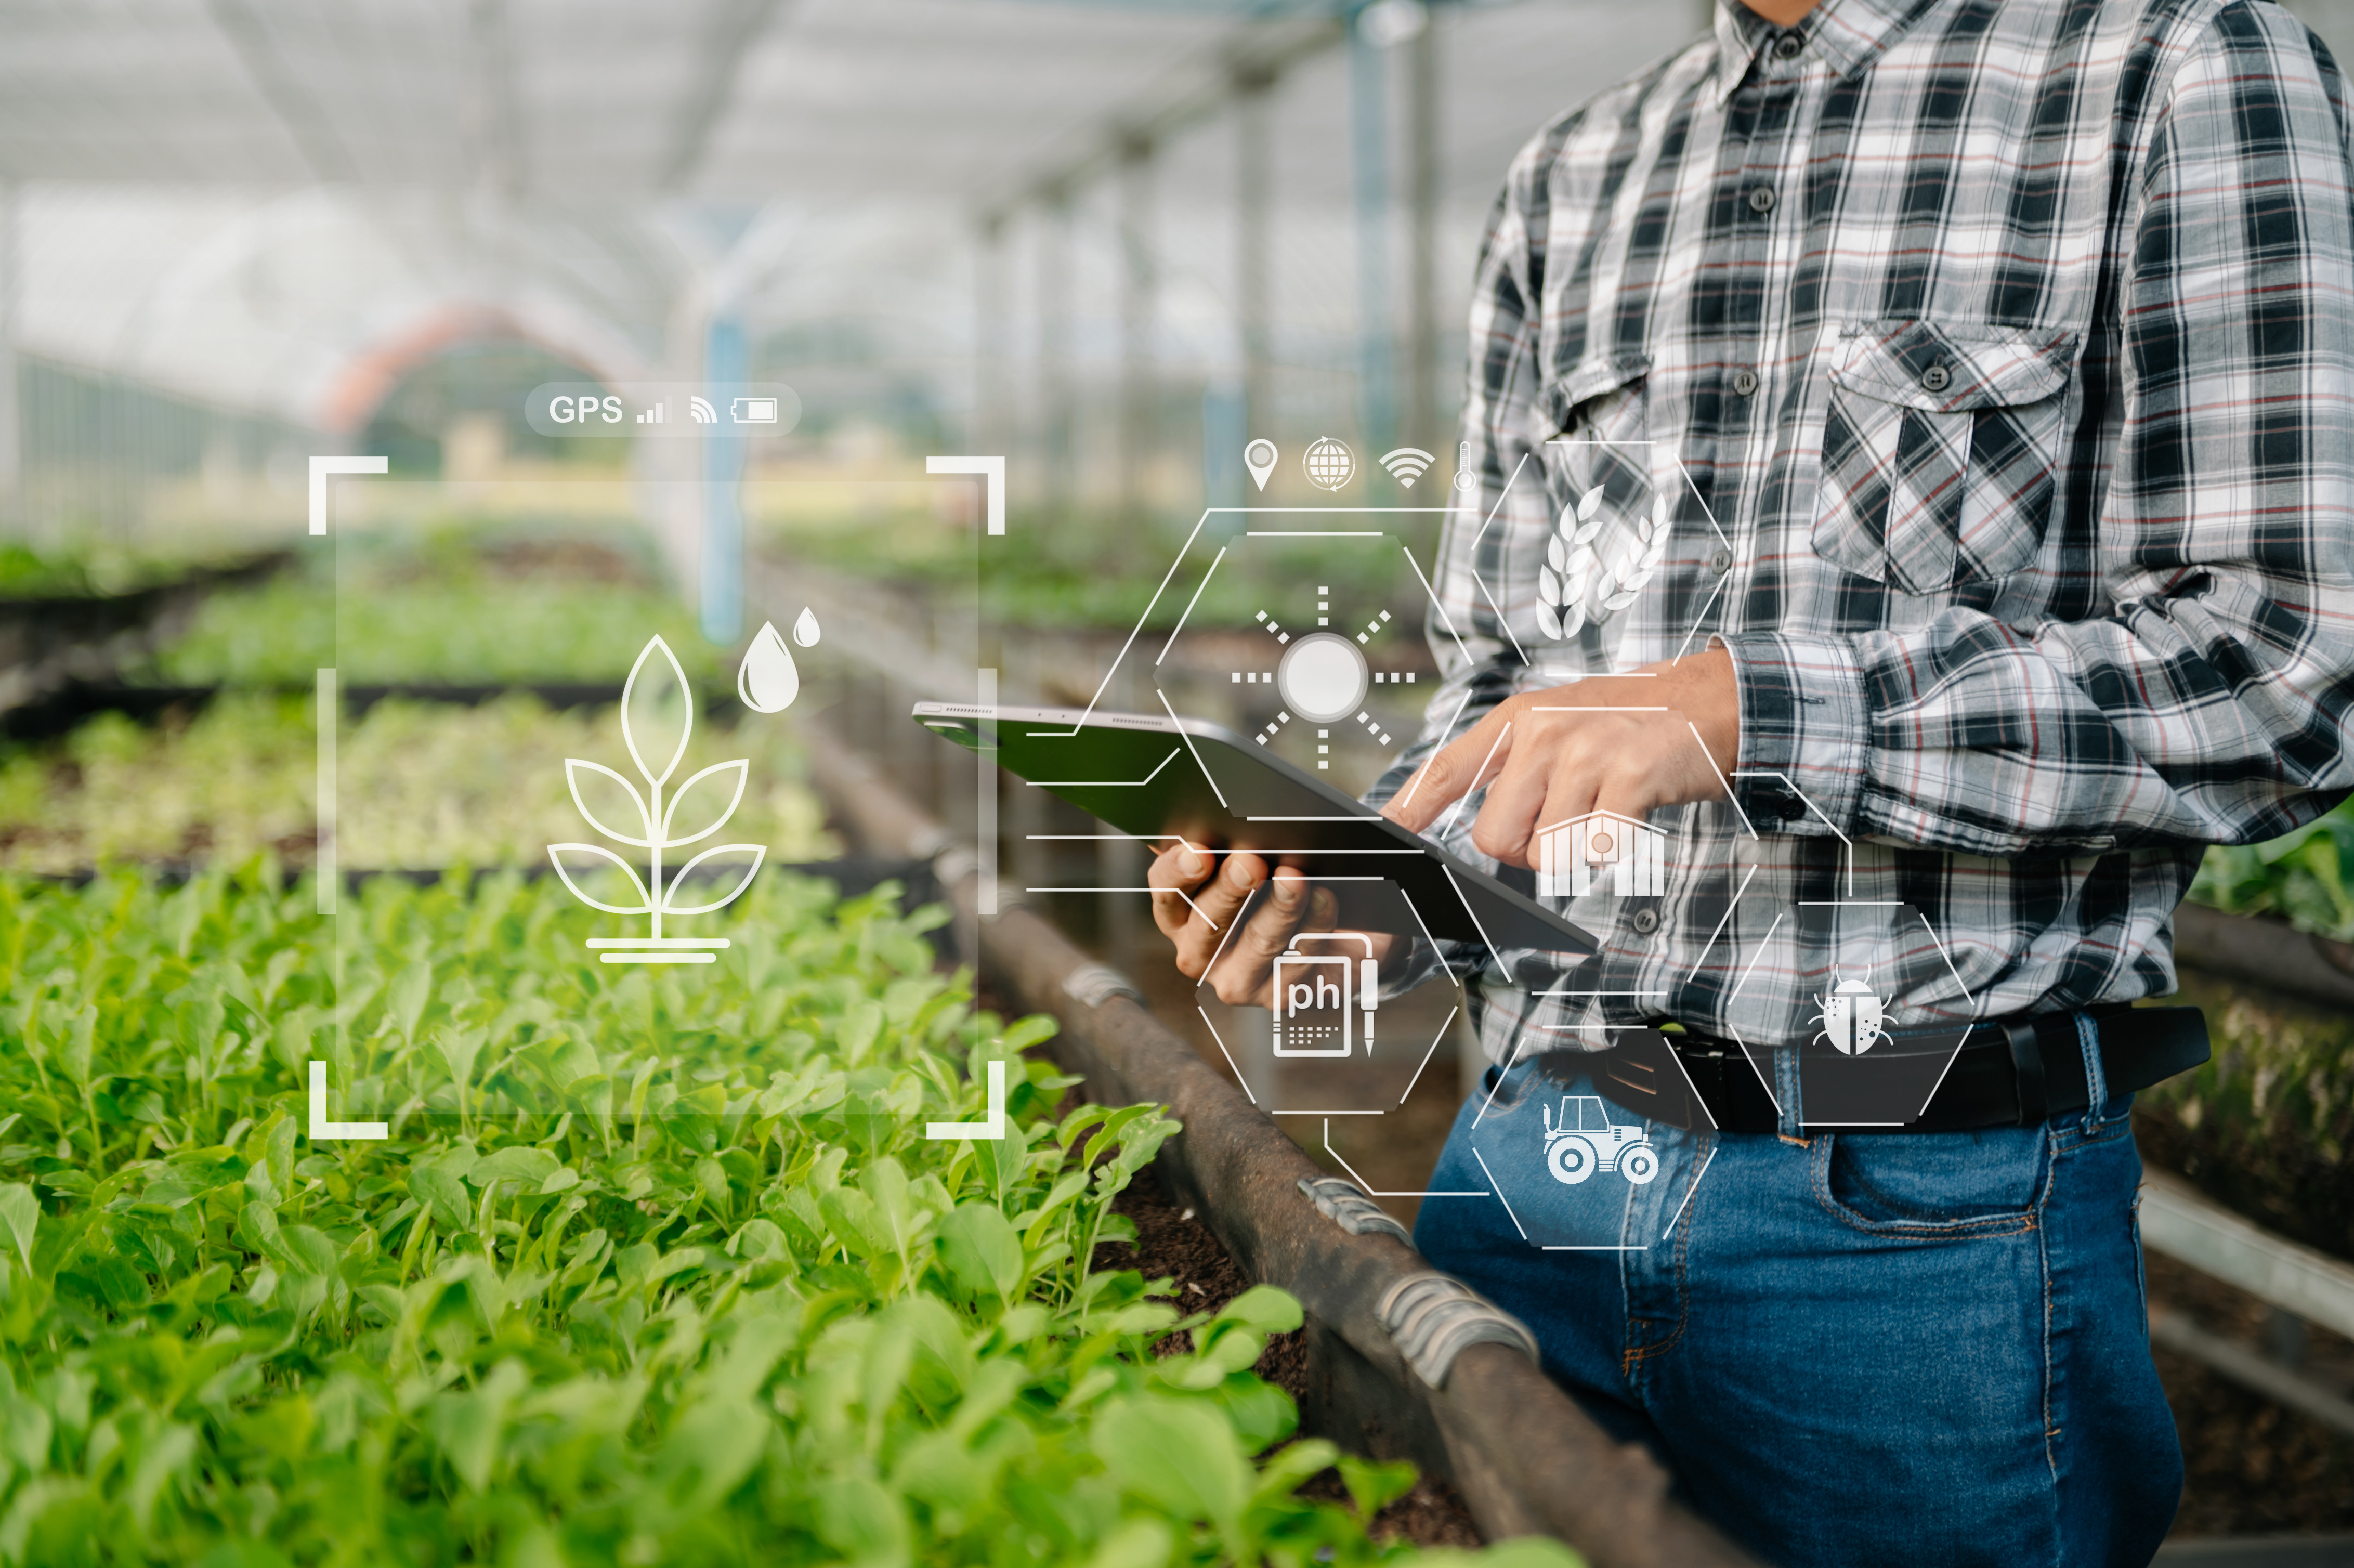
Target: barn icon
1603, 851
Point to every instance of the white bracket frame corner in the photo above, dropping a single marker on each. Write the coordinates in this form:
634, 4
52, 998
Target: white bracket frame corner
992, 472
993, 1129
322, 1128
321, 467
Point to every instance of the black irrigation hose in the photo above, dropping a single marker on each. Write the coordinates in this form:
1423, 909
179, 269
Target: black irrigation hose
1402, 1363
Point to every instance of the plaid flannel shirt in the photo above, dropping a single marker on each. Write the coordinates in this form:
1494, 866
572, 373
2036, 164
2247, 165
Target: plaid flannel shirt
1987, 366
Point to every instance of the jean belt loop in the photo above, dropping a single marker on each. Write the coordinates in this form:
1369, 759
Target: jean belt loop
2096, 1082
1786, 1093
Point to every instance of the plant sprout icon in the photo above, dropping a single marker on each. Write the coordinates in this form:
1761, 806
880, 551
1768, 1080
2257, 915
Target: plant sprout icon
657, 716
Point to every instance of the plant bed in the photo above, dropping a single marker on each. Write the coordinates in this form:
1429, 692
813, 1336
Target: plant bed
650, 1268
1470, 1404
420, 785
2250, 1466
1171, 1244
49, 641
462, 630
2266, 1126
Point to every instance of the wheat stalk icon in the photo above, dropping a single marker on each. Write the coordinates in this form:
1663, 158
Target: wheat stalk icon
657, 718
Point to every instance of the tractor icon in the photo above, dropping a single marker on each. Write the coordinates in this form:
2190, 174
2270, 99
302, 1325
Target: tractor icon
1586, 1141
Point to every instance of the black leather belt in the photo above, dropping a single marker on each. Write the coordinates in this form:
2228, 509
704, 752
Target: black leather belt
2011, 1073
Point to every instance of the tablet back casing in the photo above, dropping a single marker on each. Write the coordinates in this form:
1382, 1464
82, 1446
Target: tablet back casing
1159, 778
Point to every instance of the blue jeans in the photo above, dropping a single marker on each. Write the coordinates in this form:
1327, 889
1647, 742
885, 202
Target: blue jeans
1849, 1348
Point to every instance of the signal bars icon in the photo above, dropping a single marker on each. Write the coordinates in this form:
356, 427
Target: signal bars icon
656, 414
704, 414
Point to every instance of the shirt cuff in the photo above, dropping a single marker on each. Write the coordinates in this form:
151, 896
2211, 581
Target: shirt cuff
1804, 730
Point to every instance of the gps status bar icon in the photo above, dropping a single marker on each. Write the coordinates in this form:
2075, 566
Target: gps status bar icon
671, 410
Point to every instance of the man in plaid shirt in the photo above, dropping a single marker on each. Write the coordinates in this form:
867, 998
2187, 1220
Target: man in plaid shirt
1914, 459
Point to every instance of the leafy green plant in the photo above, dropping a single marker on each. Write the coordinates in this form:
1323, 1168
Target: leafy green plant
651, 1269
2301, 877
2266, 1124
454, 632
418, 785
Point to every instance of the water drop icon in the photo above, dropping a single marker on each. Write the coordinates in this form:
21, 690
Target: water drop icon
805, 628
766, 680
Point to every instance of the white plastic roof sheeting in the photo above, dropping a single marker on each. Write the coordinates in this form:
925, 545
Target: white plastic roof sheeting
245, 199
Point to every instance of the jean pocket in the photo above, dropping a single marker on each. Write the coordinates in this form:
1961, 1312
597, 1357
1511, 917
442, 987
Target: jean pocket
1935, 1184
1940, 453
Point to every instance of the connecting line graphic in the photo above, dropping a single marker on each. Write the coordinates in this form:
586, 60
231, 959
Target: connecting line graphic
1501, 619
1373, 1192
1477, 779
1224, 1052
1414, 783
1106, 681
1721, 779
1722, 921
1107, 783
1689, 1192
1499, 1186
1510, 1063
1427, 1055
1180, 891
1188, 739
1705, 510
1189, 607
1501, 496
1977, 1008
1702, 619
1445, 619
1494, 957
1424, 926
1805, 800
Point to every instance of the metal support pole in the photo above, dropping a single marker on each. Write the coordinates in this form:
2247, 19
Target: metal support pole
725, 359
12, 252
1421, 205
1054, 350
1369, 126
1137, 304
989, 426
1254, 181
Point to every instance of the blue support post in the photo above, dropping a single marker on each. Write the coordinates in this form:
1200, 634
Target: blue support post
725, 363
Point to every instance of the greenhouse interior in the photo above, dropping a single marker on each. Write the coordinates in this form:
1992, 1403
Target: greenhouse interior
525, 1040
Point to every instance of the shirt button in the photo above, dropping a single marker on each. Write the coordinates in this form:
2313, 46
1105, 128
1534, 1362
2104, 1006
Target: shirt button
1936, 379
1721, 562
1788, 46
1744, 381
1761, 198
1645, 922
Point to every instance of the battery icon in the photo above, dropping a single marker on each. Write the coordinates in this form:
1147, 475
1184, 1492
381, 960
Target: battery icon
754, 410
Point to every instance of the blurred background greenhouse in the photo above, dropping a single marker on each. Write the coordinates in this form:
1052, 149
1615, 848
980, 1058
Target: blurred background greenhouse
1109, 241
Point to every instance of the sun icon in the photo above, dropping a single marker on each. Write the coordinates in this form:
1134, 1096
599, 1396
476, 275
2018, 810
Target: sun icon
1322, 677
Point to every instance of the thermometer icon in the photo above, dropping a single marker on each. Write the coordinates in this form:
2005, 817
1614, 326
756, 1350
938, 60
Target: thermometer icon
1467, 478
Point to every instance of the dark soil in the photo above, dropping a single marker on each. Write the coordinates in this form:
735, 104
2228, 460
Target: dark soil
2251, 1467
2273, 1177
1171, 1243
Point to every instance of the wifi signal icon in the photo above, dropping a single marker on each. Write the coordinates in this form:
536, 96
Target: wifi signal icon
1408, 464
704, 414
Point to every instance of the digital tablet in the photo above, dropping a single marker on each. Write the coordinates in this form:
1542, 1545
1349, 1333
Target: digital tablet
1162, 779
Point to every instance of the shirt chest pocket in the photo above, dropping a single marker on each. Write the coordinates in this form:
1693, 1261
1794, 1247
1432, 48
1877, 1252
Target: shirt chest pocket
1941, 451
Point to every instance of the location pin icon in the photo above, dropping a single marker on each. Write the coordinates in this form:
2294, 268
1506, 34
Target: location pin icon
1259, 458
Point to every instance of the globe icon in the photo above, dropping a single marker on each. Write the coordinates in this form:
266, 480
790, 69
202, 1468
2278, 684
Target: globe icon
1330, 463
